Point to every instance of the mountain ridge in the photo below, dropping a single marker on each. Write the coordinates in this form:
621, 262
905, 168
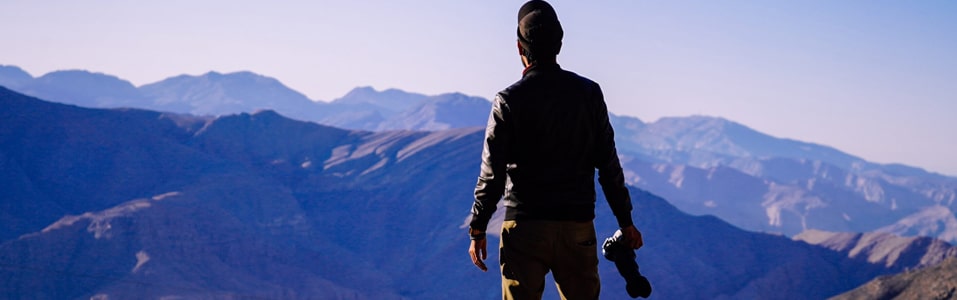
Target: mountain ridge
791, 185
84, 88
883, 248
13, 76
259, 205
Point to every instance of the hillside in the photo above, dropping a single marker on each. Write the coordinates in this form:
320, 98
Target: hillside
938, 282
883, 248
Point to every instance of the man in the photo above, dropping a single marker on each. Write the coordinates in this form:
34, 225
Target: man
546, 135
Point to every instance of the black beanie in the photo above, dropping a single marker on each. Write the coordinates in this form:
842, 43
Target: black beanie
539, 31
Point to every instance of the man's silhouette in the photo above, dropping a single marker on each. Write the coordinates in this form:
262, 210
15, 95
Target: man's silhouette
546, 135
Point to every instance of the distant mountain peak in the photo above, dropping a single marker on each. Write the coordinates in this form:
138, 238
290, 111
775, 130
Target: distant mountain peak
78, 74
363, 89
695, 119
701, 122
86, 88
359, 91
368, 94
13, 76
267, 114
386, 103
211, 73
237, 74
215, 93
13, 68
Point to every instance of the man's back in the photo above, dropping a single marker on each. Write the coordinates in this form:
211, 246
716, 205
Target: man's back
558, 132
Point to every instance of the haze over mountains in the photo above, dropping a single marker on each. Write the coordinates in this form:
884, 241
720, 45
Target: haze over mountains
128, 203
702, 165
218, 94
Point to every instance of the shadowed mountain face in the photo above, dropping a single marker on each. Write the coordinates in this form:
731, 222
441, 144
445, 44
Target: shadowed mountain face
937, 282
883, 248
138, 204
702, 165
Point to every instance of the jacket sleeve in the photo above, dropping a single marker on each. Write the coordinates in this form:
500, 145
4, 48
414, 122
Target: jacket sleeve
491, 180
610, 175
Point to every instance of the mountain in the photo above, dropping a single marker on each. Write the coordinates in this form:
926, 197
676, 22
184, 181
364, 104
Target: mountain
387, 102
937, 220
713, 166
58, 159
217, 94
84, 88
222, 94
937, 282
364, 108
703, 165
13, 77
707, 141
706, 165
883, 248
139, 204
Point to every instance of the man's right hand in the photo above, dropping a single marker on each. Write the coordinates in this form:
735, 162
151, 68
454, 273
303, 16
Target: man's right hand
478, 251
632, 237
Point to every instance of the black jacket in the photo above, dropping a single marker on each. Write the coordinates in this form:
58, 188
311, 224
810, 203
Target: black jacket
549, 132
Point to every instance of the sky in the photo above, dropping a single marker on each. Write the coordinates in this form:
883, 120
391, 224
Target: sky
874, 78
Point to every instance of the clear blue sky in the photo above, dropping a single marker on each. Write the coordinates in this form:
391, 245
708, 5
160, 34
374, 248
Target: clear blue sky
876, 79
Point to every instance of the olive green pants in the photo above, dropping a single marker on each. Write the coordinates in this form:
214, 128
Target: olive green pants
529, 249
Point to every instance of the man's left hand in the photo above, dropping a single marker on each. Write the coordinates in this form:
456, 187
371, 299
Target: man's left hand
633, 237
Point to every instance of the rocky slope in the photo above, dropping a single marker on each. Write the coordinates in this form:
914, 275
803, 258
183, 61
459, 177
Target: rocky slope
938, 282
883, 248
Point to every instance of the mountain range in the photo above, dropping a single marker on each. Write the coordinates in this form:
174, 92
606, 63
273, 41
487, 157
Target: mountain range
129, 203
714, 166
218, 94
702, 165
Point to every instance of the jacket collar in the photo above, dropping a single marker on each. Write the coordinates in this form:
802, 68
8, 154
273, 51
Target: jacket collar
540, 67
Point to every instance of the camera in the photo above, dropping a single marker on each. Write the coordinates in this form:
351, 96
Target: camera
617, 250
